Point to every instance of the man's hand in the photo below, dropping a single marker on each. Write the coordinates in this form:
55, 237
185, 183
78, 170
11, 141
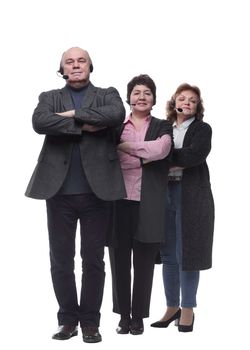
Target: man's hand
69, 114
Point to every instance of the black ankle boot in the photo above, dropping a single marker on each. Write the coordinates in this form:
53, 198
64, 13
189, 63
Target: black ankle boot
136, 326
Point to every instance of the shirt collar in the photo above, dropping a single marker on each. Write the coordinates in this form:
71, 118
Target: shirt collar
185, 124
129, 119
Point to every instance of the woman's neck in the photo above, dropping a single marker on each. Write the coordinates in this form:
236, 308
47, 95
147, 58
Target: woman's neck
139, 116
139, 119
181, 119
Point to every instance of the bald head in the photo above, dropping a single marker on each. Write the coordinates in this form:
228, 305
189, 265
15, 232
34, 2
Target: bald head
77, 65
72, 50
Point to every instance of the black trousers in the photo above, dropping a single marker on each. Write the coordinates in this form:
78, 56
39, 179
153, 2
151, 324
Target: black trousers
143, 256
63, 213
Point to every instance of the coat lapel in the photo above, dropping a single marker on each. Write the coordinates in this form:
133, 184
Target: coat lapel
151, 130
87, 101
90, 95
190, 131
66, 99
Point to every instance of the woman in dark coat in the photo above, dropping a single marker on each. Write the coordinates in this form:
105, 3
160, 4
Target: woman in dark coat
139, 220
190, 208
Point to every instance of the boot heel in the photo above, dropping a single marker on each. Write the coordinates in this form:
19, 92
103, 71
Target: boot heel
186, 328
176, 322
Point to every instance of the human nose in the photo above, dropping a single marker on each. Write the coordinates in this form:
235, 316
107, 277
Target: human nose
187, 101
141, 96
75, 64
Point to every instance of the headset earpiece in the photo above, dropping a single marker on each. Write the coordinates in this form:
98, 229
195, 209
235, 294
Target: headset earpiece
91, 68
60, 70
172, 103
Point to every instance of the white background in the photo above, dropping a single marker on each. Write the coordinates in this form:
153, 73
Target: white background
201, 42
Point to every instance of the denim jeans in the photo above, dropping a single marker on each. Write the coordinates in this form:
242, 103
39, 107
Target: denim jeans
176, 281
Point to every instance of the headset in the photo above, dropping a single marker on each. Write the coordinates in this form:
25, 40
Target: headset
180, 110
172, 103
91, 68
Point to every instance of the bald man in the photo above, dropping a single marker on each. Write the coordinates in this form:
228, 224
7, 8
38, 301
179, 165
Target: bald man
78, 174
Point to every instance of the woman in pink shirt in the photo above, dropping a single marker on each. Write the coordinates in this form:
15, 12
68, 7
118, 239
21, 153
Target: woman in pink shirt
144, 145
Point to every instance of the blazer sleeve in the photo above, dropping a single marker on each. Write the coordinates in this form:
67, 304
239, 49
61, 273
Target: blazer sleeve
108, 111
197, 150
46, 121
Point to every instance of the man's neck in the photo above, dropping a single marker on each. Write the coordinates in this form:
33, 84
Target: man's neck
77, 85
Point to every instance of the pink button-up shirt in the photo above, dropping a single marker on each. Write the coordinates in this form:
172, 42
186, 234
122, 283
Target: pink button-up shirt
138, 148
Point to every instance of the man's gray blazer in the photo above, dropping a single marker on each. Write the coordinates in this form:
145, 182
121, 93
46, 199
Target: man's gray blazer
100, 107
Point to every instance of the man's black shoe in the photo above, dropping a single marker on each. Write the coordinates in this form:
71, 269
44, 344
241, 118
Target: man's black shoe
91, 335
65, 332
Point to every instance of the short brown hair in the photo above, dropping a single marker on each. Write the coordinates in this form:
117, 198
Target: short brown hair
142, 79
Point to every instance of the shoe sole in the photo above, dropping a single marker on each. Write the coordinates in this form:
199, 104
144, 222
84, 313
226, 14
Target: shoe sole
92, 341
136, 333
122, 332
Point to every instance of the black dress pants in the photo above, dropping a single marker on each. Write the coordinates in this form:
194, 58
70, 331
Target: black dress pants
63, 212
144, 254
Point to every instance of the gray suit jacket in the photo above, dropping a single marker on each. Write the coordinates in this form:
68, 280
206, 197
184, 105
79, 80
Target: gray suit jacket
100, 107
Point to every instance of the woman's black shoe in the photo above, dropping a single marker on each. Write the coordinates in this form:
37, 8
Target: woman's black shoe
188, 328
165, 324
136, 326
123, 326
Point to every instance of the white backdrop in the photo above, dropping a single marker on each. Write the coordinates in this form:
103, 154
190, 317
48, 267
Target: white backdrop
202, 42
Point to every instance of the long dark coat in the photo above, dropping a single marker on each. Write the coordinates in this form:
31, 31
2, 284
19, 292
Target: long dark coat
197, 198
151, 222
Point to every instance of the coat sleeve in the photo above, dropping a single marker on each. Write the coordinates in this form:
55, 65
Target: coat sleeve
198, 149
110, 112
46, 121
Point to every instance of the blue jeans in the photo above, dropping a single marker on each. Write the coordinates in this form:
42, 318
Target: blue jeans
176, 280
